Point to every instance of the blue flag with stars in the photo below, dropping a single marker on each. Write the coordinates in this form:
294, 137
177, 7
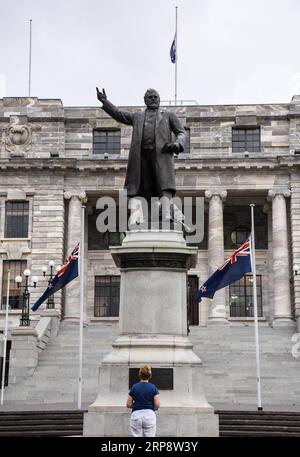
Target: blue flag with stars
233, 269
173, 50
67, 273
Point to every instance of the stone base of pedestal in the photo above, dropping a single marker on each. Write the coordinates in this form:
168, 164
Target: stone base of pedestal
185, 410
179, 422
283, 322
24, 353
298, 324
153, 330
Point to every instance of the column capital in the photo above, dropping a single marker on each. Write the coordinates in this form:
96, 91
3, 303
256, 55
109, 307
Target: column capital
284, 191
218, 192
68, 194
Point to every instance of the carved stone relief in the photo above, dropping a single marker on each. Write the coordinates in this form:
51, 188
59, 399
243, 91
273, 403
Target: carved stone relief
18, 136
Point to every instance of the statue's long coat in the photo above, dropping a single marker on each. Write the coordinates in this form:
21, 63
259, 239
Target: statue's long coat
166, 123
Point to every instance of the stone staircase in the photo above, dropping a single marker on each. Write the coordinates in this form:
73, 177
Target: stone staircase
41, 423
259, 424
228, 356
227, 352
70, 423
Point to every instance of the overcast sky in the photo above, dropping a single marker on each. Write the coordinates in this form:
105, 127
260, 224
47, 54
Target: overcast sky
229, 51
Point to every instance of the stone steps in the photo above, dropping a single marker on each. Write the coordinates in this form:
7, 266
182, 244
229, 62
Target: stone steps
41, 423
259, 423
70, 423
227, 353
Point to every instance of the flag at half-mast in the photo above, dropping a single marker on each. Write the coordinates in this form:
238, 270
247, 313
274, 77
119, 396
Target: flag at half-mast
66, 274
233, 269
173, 51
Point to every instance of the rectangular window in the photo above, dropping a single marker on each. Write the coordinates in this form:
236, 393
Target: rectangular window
108, 141
16, 219
107, 296
246, 139
16, 268
241, 297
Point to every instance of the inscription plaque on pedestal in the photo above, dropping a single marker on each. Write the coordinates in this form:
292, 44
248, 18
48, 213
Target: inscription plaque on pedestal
161, 377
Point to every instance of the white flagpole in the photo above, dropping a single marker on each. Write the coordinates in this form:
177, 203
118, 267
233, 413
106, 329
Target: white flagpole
30, 40
5, 338
176, 54
81, 265
253, 267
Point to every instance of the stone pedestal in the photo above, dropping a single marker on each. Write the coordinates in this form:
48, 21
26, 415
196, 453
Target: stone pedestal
153, 329
23, 354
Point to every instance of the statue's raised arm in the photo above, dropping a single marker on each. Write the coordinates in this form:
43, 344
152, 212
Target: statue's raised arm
120, 116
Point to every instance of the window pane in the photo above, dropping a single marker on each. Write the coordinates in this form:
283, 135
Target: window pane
246, 139
107, 296
16, 268
241, 302
107, 141
16, 219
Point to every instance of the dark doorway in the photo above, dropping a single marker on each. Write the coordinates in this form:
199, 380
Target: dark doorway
192, 308
8, 347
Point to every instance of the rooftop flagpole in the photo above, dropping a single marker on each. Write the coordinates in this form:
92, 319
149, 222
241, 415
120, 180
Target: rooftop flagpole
253, 265
29, 70
176, 55
5, 338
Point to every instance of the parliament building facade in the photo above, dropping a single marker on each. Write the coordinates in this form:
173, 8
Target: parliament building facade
54, 158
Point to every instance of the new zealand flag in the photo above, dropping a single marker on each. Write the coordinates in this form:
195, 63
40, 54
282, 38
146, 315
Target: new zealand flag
66, 274
233, 269
173, 50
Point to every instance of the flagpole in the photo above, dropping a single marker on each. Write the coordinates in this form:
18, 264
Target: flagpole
253, 265
5, 338
81, 254
30, 40
176, 55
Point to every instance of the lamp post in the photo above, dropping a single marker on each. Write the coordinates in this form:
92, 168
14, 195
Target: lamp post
51, 263
25, 321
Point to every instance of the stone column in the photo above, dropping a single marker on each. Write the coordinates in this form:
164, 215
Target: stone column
72, 290
282, 299
216, 250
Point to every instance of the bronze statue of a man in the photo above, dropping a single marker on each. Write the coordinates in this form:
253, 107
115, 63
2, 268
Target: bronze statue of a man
150, 170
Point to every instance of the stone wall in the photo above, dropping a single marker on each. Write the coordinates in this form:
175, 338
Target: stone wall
47, 149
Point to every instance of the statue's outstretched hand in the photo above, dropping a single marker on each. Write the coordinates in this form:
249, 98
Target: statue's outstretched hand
171, 148
101, 95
